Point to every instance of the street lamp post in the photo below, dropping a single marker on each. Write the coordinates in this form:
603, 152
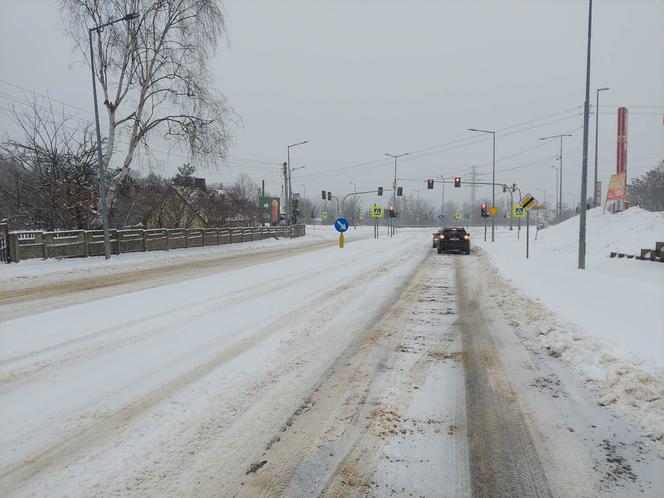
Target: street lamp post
596, 194
560, 188
354, 201
289, 194
102, 172
289, 189
557, 194
493, 180
584, 164
394, 185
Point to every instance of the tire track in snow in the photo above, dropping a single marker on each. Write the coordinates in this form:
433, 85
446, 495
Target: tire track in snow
503, 460
340, 409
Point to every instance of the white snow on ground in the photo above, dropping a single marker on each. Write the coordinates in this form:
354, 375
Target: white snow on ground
179, 354
607, 321
40, 272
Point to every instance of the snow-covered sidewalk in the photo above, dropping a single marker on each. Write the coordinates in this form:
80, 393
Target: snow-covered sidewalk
33, 272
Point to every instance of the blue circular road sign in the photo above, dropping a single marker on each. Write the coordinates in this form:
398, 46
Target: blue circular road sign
341, 225
441, 216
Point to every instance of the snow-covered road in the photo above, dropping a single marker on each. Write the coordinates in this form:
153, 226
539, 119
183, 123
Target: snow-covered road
297, 372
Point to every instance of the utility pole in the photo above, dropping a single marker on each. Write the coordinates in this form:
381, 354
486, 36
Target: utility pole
287, 212
394, 187
493, 180
472, 190
289, 196
442, 201
560, 157
100, 162
596, 194
557, 194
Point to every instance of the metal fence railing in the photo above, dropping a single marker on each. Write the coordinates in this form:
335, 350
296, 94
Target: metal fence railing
20, 245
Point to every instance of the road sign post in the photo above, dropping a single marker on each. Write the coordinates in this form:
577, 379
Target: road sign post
341, 225
527, 234
522, 210
376, 214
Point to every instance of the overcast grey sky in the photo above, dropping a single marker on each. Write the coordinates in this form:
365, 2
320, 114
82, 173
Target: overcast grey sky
361, 78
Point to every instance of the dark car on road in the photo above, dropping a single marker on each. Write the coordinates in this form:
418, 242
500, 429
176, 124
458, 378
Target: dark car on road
454, 239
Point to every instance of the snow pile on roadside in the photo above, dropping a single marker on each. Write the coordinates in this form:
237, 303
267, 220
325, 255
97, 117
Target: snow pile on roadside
618, 301
607, 321
622, 385
628, 232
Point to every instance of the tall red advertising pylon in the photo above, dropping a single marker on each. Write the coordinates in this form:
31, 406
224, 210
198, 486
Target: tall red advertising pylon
621, 154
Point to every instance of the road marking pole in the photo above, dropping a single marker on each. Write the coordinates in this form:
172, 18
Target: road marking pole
527, 233
341, 240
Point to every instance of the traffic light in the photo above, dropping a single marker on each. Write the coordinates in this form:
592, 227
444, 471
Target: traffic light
430, 183
392, 212
324, 194
399, 191
329, 196
457, 181
380, 190
483, 211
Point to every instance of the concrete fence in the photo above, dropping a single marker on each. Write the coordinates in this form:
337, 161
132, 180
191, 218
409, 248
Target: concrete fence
83, 243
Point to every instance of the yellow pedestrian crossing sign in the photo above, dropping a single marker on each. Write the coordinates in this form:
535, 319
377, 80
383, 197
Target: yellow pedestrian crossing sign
377, 212
519, 212
324, 215
457, 216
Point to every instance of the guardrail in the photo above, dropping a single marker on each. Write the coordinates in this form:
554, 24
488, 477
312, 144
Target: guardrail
82, 243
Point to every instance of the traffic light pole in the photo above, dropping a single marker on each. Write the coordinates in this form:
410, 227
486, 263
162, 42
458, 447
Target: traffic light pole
343, 200
473, 183
335, 197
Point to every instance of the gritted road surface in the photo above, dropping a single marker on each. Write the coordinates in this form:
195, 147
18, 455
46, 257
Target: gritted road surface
377, 370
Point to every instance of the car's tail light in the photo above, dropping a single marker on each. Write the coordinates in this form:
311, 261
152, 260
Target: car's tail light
442, 236
466, 237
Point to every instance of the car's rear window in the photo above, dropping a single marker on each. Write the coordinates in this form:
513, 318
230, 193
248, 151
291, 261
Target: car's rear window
455, 231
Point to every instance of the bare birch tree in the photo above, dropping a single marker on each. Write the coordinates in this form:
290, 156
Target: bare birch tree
48, 177
154, 74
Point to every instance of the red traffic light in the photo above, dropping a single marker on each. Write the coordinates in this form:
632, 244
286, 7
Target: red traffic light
430, 183
482, 206
457, 181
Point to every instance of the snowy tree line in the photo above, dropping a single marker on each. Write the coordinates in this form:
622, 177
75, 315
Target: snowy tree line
49, 180
648, 189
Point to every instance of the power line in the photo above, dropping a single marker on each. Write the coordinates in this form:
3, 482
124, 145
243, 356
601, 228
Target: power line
27, 103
